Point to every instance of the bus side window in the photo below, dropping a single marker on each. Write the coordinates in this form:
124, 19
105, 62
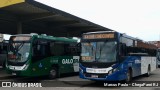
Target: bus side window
57, 48
123, 49
35, 50
72, 49
41, 50
38, 47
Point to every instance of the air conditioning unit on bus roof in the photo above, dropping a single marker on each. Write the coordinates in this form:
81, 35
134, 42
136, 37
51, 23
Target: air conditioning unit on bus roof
50, 36
99, 32
44, 34
33, 34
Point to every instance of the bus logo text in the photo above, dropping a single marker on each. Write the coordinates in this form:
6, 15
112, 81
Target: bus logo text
67, 61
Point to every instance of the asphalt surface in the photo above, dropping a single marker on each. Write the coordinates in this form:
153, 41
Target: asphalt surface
73, 82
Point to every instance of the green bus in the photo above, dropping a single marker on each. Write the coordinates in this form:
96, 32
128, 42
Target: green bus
39, 55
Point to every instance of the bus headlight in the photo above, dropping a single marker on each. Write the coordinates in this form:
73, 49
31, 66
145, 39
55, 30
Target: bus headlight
80, 70
112, 71
25, 67
116, 69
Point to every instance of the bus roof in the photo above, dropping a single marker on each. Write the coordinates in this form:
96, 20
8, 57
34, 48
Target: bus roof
98, 32
44, 36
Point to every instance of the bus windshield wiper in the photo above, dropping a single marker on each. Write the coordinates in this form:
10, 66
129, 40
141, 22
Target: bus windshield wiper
17, 48
20, 46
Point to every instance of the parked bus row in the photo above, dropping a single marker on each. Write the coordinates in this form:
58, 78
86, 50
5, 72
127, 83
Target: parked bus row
105, 55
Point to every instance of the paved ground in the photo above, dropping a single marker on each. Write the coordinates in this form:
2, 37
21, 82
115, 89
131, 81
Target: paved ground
73, 82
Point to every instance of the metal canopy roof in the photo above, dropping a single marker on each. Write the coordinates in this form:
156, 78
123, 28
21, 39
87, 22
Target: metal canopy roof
39, 18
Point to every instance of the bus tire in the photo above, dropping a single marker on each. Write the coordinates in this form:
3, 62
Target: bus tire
53, 73
148, 71
129, 76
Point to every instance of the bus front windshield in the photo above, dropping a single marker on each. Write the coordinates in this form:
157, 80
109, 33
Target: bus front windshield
99, 51
18, 49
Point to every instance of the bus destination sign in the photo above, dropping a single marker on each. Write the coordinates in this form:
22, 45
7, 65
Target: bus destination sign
20, 38
99, 36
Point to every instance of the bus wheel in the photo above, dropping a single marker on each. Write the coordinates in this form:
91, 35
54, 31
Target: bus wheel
148, 71
53, 73
129, 76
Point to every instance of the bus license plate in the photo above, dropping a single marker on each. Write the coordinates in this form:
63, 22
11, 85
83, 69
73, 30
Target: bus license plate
13, 73
94, 76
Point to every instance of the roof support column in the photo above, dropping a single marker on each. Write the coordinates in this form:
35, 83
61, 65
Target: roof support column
19, 27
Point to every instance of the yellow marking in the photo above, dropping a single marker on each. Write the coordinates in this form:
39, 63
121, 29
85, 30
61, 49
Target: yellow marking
86, 58
4, 3
99, 36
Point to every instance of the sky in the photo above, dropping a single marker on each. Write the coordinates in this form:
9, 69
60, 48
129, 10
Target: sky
137, 18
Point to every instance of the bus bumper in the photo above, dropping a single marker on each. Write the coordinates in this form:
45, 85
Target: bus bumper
19, 73
115, 76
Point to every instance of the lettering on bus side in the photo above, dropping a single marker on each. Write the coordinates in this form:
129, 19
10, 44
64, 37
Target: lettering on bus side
67, 61
54, 61
71, 61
